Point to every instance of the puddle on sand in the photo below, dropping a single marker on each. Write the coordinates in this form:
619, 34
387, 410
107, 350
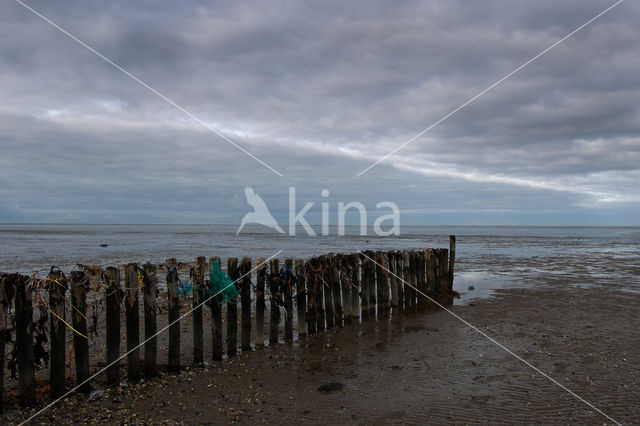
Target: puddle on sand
484, 285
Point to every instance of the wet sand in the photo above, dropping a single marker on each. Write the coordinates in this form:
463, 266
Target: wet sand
414, 368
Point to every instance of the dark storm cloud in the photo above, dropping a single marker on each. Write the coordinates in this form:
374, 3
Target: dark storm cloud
318, 91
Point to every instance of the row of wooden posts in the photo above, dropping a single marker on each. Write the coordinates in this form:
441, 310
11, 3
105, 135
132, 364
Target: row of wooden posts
326, 291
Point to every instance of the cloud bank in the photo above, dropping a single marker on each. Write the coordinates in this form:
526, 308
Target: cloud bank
319, 91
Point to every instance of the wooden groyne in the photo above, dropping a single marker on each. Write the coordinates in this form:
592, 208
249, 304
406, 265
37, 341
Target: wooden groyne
46, 320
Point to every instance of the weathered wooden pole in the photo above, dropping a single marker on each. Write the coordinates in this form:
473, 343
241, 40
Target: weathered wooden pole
382, 283
312, 283
443, 285
274, 290
421, 279
5, 301
301, 297
114, 301
327, 282
261, 279
370, 281
57, 290
320, 295
150, 324
173, 302
232, 310
342, 269
24, 340
431, 261
399, 270
216, 320
198, 298
132, 320
245, 299
409, 280
365, 286
355, 285
393, 280
452, 259
289, 283
79, 319
334, 277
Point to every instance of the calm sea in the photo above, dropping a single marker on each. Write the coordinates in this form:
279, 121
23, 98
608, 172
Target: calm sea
487, 257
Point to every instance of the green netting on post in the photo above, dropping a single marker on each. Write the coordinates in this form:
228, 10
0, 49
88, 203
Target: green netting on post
220, 282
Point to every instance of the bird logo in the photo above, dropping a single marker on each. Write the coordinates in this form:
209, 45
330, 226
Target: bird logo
260, 214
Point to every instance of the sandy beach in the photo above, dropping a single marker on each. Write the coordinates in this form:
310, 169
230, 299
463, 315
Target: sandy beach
414, 368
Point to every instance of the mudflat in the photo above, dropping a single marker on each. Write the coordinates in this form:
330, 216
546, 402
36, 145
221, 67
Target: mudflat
411, 368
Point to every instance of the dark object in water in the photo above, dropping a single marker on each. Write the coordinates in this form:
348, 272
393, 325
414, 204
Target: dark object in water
471, 288
331, 387
104, 245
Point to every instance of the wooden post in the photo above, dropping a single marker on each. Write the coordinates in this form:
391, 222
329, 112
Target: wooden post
431, 261
216, 321
319, 295
421, 279
232, 310
150, 324
452, 259
334, 283
57, 290
173, 302
114, 300
312, 283
261, 279
442, 286
5, 301
301, 297
289, 283
274, 291
365, 286
399, 269
382, 283
369, 281
133, 320
79, 319
407, 271
355, 284
393, 280
24, 340
327, 283
245, 298
342, 266
198, 298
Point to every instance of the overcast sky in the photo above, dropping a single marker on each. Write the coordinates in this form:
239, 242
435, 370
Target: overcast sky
319, 91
